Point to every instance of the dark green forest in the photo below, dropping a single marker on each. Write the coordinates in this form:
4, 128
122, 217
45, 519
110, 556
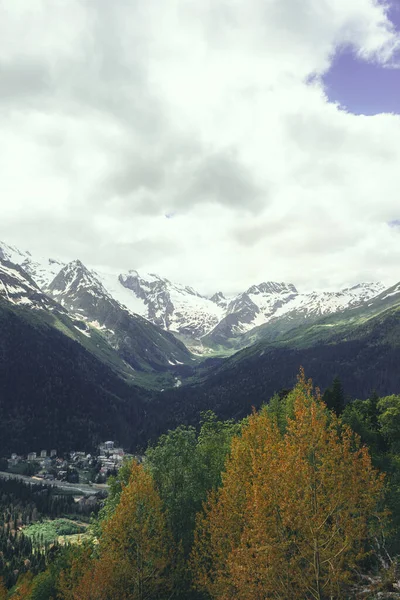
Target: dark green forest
55, 393
181, 484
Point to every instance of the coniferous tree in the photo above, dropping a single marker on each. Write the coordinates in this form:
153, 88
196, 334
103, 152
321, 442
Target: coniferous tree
334, 397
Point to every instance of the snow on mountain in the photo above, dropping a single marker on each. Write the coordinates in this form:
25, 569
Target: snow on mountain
178, 308
271, 301
123, 295
219, 299
318, 304
137, 341
250, 309
18, 288
42, 270
391, 293
75, 287
267, 297
172, 306
12, 254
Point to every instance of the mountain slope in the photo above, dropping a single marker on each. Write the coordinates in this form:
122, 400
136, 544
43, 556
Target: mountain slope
57, 387
172, 306
287, 310
18, 288
361, 346
250, 309
137, 341
41, 270
54, 393
206, 325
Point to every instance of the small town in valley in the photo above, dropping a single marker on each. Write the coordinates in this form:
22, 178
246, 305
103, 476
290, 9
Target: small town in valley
73, 466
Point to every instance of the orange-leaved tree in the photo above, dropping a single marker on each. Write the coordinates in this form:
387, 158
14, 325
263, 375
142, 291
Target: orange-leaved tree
135, 548
3, 590
23, 587
294, 515
79, 561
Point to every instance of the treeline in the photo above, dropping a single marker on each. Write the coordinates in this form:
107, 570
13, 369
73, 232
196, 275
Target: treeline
23, 504
288, 503
19, 556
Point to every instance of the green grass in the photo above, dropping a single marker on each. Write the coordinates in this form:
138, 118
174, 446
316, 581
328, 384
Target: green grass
74, 539
49, 531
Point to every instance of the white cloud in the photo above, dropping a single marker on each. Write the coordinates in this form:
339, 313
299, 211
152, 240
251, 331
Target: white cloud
115, 114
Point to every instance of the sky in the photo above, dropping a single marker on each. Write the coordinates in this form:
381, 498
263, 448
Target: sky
218, 143
363, 87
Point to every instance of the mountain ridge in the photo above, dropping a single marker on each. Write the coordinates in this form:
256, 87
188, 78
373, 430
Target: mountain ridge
57, 351
206, 325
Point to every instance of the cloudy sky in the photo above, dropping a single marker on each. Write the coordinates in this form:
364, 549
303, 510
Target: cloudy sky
217, 142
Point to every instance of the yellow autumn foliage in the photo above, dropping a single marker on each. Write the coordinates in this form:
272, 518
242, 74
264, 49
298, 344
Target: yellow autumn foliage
294, 515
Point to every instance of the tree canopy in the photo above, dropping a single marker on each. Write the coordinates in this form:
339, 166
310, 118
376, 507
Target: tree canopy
295, 511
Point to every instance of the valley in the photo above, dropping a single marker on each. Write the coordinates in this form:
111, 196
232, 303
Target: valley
78, 362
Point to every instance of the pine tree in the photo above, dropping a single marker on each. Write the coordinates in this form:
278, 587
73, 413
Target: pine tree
374, 412
334, 397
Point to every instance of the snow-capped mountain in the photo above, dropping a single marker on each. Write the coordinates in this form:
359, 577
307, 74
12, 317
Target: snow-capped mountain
195, 318
389, 294
137, 340
283, 306
18, 288
78, 289
219, 299
317, 304
250, 309
42, 270
172, 306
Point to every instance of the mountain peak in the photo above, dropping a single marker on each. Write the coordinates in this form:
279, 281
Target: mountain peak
77, 264
272, 287
11, 253
41, 270
368, 285
73, 280
17, 287
219, 299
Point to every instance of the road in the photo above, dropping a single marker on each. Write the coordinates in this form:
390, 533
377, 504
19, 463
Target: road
79, 489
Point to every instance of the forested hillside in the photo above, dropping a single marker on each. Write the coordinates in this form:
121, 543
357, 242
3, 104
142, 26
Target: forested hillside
53, 392
365, 357
287, 503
